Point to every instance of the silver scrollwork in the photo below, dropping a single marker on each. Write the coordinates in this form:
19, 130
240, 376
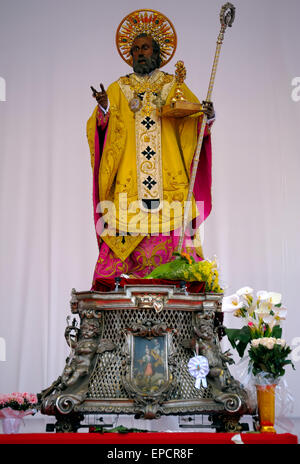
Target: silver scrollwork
65, 404
232, 402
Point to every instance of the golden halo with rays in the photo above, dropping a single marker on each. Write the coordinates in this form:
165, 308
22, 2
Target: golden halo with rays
150, 22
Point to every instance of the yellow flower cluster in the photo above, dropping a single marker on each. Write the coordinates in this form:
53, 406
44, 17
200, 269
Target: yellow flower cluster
204, 271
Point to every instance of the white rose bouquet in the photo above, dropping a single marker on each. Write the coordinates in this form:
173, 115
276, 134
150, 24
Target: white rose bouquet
268, 357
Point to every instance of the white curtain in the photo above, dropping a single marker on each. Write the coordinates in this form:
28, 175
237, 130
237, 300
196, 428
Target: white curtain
51, 51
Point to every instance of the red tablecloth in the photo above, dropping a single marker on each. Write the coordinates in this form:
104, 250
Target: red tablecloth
146, 438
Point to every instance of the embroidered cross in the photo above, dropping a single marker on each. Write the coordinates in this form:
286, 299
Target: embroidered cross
148, 153
149, 182
148, 122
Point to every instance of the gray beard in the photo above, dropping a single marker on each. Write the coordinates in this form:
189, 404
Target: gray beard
147, 67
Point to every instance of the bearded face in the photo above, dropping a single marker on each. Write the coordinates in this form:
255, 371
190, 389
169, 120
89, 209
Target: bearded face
145, 65
145, 58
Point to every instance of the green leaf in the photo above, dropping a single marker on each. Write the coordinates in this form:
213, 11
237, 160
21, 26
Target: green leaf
276, 332
233, 335
245, 334
239, 338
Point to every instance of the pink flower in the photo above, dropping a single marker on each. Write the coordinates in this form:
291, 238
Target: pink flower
22, 399
33, 398
250, 324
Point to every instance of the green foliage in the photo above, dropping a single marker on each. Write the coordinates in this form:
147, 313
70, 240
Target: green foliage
17, 406
268, 360
174, 270
276, 332
184, 267
239, 338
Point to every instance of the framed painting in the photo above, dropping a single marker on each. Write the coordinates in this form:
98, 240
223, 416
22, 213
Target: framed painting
149, 351
149, 366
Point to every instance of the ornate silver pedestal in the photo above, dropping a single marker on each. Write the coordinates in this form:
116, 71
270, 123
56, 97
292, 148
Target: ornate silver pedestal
129, 355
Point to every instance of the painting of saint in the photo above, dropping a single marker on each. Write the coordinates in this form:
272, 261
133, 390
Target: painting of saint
149, 367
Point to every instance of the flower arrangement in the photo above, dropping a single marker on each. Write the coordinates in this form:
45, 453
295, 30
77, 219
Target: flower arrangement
14, 407
268, 352
184, 267
268, 357
18, 401
206, 271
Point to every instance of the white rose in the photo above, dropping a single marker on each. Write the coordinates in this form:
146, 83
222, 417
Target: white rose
255, 342
269, 343
280, 341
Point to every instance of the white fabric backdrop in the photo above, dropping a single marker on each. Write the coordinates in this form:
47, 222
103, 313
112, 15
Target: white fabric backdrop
50, 54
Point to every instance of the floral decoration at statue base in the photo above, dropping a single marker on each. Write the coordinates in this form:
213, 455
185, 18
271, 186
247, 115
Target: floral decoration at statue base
268, 352
185, 268
14, 407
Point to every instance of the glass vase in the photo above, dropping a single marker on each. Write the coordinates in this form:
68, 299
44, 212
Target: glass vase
266, 407
11, 424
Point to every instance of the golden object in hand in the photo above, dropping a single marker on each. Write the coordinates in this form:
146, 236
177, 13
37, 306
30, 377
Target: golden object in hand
180, 75
179, 106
